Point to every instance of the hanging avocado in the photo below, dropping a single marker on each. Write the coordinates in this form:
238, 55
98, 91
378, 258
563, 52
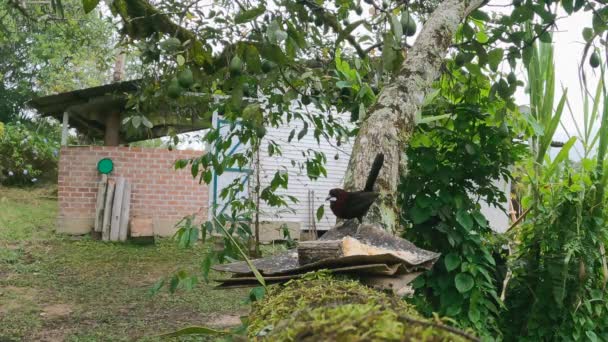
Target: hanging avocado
185, 78
260, 131
594, 60
174, 90
408, 24
267, 66
306, 100
235, 66
511, 78
460, 59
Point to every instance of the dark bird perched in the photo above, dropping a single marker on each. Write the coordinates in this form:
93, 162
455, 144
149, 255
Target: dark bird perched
349, 205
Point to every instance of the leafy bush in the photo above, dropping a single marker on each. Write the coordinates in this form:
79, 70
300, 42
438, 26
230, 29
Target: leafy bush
454, 162
29, 152
557, 290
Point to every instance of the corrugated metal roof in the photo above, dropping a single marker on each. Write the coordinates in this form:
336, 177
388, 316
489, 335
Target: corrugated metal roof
56, 105
88, 109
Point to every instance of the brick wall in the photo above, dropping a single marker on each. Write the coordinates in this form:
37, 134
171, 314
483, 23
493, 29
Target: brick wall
158, 190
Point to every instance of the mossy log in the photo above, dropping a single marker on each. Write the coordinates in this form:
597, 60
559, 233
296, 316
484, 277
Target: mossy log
321, 307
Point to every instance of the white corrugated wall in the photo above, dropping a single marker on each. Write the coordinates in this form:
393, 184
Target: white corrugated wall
299, 183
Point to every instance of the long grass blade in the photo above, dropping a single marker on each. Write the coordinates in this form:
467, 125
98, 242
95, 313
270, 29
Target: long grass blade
560, 158
252, 267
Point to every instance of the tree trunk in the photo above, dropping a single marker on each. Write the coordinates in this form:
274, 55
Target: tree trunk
390, 122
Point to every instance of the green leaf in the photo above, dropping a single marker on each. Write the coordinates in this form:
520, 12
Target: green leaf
464, 219
208, 176
452, 261
420, 215
181, 163
157, 286
464, 282
195, 331
550, 129
545, 37
396, 26
206, 266
173, 284
494, 58
136, 121
481, 37
389, 55
591, 335
249, 15
193, 236
303, 132
273, 53
146, 122
291, 135
257, 293
89, 5
480, 15
194, 168
561, 156
480, 219
180, 60
568, 6
474, 314
320, 212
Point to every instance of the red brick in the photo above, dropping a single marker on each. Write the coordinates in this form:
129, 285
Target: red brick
158, 189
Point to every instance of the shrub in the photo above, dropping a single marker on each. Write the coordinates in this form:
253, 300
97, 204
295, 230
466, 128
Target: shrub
28, 152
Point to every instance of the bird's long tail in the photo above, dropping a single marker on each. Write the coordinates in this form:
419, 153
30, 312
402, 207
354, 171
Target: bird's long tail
374, 172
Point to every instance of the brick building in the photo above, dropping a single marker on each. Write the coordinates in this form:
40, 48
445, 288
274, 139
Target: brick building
158, 191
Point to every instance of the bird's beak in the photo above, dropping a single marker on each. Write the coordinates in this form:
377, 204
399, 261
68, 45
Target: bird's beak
331, 198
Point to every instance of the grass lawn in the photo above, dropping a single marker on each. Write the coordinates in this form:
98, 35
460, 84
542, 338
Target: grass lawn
61, 288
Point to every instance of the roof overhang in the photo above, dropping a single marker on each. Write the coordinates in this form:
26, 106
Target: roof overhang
89, 109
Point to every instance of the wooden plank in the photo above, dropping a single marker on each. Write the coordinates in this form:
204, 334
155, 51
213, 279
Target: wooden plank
317, 250
124, 213
107, 211
116, 207
101, 200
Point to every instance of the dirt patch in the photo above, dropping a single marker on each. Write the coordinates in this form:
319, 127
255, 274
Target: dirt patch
225, 321
14, 298
56, 311
51, 335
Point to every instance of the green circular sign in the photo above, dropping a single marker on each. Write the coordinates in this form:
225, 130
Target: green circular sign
105, 166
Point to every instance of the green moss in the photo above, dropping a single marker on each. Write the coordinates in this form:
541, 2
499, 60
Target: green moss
322, 307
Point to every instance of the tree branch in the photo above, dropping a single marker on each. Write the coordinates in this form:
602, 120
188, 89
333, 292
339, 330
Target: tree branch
332, 21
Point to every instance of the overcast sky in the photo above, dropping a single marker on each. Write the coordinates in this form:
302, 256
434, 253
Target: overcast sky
568, 52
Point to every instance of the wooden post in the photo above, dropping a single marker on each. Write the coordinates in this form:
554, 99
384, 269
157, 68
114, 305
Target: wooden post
64, 129
101, 200
107, 211
116, 209
112, 133
124, 213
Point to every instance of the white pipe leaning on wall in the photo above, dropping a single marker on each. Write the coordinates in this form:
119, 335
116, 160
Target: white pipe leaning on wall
64, 129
